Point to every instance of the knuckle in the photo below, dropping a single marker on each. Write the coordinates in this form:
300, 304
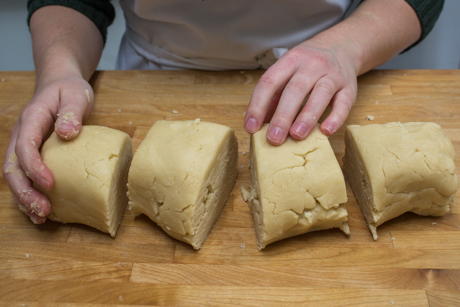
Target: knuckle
308, 116
25, 116
297, 86
282, 119
321, 62
347, 100
325, 86
267, 80
294, 53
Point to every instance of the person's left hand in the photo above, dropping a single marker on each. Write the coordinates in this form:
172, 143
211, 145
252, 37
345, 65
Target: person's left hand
328, 75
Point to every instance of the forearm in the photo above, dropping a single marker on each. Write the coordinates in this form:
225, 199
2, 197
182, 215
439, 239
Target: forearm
65, 42
376, 32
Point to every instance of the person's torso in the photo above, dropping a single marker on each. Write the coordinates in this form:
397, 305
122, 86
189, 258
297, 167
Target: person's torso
217, 34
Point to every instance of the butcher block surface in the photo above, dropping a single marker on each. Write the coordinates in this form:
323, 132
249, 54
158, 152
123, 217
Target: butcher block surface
415, 261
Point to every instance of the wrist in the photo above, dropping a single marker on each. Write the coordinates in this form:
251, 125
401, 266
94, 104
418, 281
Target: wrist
376, 32
56, 67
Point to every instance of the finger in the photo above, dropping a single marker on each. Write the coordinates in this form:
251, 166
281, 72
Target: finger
33, 217
293, 95
29, 200
342, 103
272, 108
320, 97
271, 83
76, 104
36, 122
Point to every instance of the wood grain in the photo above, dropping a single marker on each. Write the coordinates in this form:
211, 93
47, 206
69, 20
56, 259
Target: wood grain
415, 262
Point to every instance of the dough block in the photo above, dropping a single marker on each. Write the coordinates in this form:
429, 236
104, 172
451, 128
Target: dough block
182, 175
90, 175
396, 168
296, 188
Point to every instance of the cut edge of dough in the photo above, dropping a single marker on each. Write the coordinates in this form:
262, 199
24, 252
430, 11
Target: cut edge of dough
363, 192
223, 175
253, 198
118, 199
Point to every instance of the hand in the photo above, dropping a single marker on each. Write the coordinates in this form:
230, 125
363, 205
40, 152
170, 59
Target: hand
62, 101
328, 75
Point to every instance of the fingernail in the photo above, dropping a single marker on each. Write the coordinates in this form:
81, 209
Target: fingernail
275, 134
329, 127
66, 131
251, 125
300, 129
36, 208
66, 125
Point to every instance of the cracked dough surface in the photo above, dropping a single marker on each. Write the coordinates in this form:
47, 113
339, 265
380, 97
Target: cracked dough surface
397, 168
182, 175
296, 188
90, 174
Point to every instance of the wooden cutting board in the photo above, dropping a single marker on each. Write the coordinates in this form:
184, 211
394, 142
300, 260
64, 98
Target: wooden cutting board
415, 262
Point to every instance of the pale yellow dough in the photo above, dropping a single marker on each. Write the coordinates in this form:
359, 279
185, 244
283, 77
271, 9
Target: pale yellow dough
296, 188
396, 168
90, 175
182, 175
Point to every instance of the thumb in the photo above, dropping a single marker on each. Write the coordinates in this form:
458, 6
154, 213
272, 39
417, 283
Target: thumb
75, 106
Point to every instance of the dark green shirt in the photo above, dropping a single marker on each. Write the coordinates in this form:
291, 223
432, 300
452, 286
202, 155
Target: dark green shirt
102, 13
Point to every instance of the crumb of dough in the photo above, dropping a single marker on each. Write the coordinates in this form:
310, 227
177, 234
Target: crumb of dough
69, 117
25, 192
243, 246
27, 255
433, 224
373, 230
130, 123
197, 121
40, 111
71, 134
244, 153
3, 80
119, 110
120, 298
4, 228
370, 117
241, 166
175, 112
13, 158
88, 96
245, 193
14, 170
35, 208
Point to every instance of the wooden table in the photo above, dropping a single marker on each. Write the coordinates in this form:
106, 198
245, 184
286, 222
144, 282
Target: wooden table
415, 262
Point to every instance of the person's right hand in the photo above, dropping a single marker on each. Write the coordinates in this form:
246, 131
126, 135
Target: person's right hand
62, 101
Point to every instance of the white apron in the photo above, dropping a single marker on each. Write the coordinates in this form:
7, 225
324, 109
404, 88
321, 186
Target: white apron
219, 34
